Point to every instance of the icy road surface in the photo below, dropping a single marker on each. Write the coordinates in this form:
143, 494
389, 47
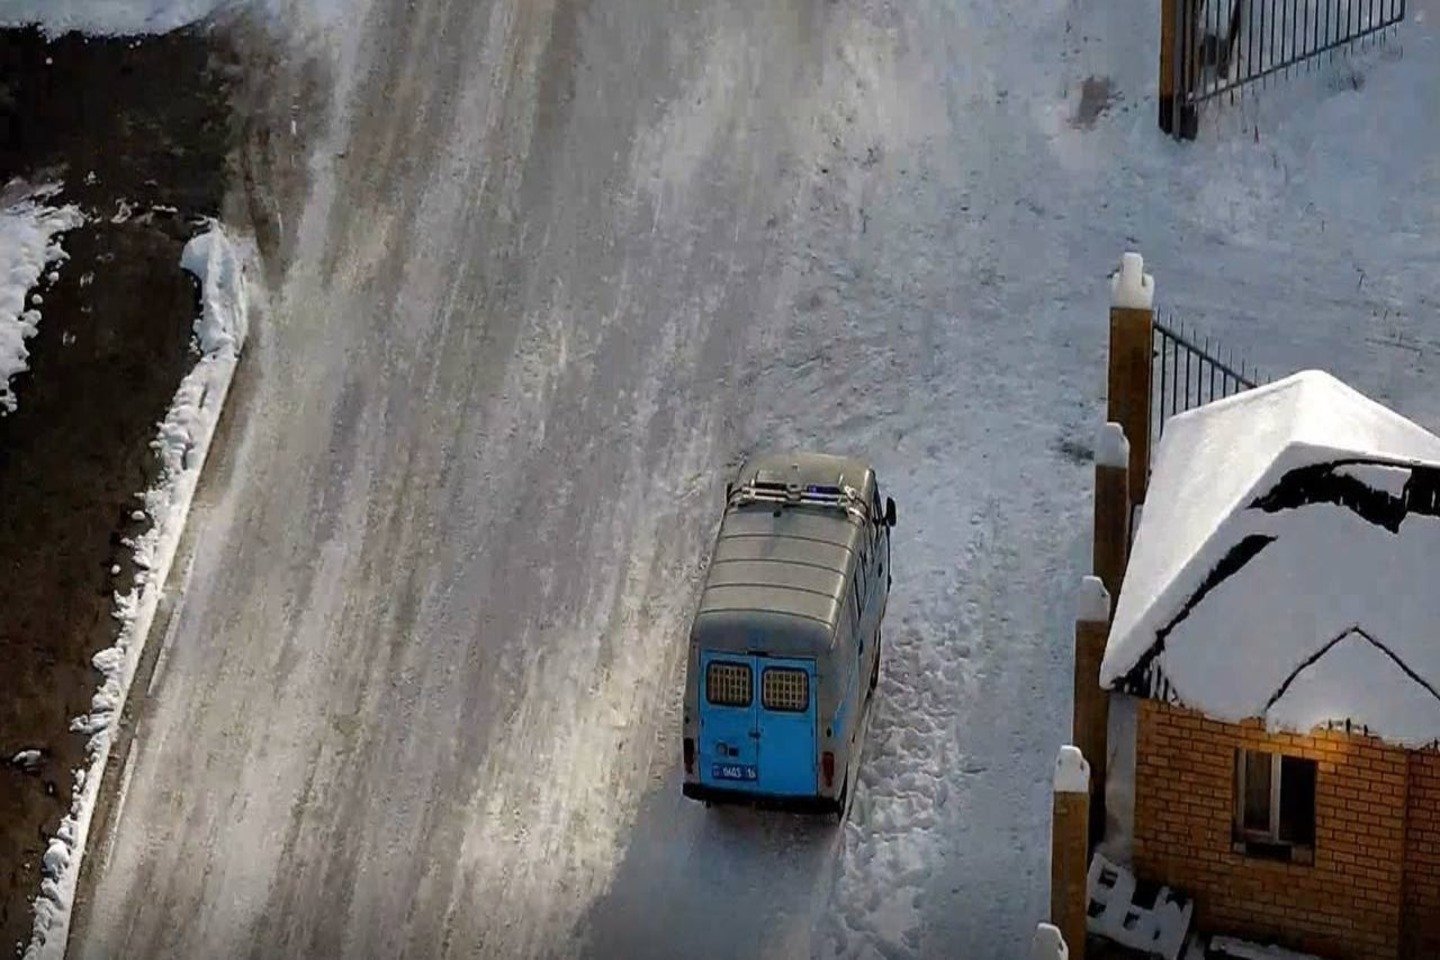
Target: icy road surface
565, 264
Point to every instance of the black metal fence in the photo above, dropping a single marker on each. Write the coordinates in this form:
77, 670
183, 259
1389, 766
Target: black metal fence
1222, 45
1188, 372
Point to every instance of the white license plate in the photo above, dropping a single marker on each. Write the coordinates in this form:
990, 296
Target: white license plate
734, 771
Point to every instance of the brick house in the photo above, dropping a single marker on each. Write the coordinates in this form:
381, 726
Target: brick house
1276, 640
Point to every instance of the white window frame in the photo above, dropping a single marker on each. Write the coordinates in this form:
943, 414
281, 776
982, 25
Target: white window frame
1244, 835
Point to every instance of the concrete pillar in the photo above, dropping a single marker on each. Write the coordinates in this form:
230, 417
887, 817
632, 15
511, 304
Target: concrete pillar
1132, 326
1048, 944
1069, 853
1112, 507
1092, 703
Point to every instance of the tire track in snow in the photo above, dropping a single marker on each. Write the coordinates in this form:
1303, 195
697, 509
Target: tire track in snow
913, 760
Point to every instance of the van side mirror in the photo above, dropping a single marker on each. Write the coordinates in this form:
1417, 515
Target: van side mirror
889, 512
729, 489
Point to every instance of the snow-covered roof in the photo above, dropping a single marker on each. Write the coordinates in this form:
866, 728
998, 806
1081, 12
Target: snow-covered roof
1283, 566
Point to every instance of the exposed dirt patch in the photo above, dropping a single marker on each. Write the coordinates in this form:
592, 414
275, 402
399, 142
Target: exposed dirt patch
1096, 97
139, 133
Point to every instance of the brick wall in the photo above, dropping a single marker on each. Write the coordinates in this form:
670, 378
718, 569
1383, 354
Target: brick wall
1346, 905
1422, 859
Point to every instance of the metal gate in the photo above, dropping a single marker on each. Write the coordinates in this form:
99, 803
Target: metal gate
1187, 372
1219, 46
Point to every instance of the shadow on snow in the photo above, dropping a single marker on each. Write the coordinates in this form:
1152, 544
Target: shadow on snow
713, 884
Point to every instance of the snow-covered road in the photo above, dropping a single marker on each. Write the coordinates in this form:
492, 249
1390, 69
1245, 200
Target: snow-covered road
566, 263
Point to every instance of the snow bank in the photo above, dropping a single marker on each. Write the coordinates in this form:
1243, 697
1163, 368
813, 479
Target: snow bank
107, 17
29, 245
1241, 950
182, 444
1072, 771
136, 17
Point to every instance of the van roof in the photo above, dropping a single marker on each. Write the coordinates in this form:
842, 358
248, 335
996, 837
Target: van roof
817, 469
779, 573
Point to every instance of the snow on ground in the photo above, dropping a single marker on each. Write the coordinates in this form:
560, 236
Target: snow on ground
108, 17
29, 248
962, 383
137, 17
1244, 950
27, 760
182, 442
939, 299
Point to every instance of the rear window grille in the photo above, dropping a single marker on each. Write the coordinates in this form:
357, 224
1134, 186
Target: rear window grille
785, 689
728, 684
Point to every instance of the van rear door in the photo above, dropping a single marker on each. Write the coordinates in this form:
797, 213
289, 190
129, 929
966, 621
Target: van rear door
786, 726
729, 745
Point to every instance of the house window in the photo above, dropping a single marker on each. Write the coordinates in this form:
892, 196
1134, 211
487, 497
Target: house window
1274, 806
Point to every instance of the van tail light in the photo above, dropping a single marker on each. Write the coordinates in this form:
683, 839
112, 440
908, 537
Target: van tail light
689, 755
827, 766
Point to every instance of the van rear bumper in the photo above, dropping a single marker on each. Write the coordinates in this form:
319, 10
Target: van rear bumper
762, 801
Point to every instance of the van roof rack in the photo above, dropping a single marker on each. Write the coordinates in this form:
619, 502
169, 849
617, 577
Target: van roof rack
840, 497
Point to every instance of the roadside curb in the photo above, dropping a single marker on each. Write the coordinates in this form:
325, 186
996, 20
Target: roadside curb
182, 442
